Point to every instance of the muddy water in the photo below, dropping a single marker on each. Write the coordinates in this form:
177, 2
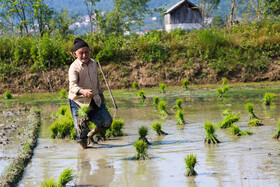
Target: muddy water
238, 161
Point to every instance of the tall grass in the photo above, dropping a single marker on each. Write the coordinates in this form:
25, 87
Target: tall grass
190, 162
210, 137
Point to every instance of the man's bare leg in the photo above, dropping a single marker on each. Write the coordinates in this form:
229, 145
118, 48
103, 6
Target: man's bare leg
94, 132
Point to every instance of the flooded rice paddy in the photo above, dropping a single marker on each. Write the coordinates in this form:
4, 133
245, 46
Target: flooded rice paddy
237, 161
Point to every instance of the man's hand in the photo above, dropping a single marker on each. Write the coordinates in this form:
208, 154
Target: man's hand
86, 92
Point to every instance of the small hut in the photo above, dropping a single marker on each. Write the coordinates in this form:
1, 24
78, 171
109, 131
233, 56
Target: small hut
183, 15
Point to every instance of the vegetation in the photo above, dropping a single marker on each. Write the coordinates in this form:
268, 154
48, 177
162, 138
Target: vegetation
142, 95
8, 95
156, 101
83, 111
66, 176
180, 118
116, 128
229, 120
268, 97
63, 94
14, 171
162, 87
140, 147
277, 134
63, 126
190, 161
185, 83
178, 105
162, 107
135, 85
250, 109
157, 127
234, 129
210, 137
143, 132
224, 88
226, 112
255, 122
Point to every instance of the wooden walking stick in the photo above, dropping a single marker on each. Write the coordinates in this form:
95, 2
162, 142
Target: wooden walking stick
116, 107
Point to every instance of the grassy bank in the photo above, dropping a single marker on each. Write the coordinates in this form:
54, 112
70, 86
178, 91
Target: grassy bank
250, 47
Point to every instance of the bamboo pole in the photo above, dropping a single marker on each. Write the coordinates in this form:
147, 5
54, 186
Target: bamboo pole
116, 107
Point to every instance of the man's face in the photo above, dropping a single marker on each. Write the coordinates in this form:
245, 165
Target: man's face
82, 54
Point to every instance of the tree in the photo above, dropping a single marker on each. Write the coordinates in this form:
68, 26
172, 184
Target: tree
218, 21
161, 11
90, 10
207, 6
273, 7
125, 14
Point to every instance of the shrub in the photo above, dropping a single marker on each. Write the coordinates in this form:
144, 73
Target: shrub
157, 127
140, 147
190, 161
210, 133
63, 94
162, 87
185, 83
8, 95
268, 97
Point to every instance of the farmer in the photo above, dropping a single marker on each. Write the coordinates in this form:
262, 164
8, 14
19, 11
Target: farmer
85, 90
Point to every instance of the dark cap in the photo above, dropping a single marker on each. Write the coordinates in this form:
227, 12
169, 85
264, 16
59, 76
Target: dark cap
79, 43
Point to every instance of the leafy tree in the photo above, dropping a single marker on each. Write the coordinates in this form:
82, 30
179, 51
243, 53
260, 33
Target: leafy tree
161, 11
207, 6
273, 7
218, 21
89, 4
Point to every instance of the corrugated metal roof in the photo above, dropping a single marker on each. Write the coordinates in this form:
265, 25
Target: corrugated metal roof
177, 5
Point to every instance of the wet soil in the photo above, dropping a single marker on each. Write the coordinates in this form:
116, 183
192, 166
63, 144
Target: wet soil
237, 161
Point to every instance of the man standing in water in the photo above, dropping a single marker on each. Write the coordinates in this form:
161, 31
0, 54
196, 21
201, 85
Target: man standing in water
85, 90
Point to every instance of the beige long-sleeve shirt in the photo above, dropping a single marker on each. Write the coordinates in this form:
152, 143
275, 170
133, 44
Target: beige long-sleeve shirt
83, 76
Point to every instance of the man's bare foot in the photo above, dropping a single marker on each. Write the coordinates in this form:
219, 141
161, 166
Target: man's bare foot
83, 144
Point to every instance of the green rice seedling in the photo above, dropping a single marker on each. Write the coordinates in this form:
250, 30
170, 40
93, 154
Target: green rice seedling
141, 148
255, 122
224, 88
143, 132
277, 134
162, 107
135, 85
268, 97
190, 161
234, 129
156, 101
63, 110
142, 95
185, 83
157, 127
210, 137
180, 118
229, 120
178, 104
250, 109
83, 111
66, 176
63, 94
116, 127
8, 95
226, 112
162, 87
